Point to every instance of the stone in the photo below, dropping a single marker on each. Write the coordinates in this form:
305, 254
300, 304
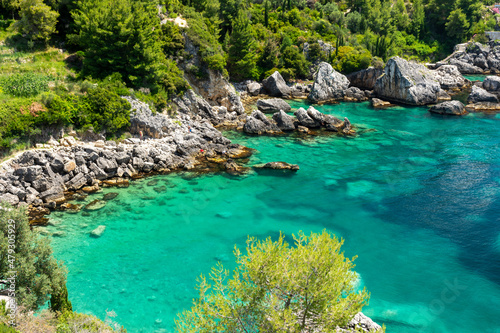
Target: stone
9, 198
77, 182
254, 88
492, 83
258, 123
284, 121
328, 84
378, 103
479, 95
57, 164
407, 82
54, 193
91, 189
95, 205
450, 78
278, 166
365, 79
302, 129
97, 232
455, 108
273, 105
109, 196
69, 166
354, 94
276, 86
464, 67
71, 208
305, 120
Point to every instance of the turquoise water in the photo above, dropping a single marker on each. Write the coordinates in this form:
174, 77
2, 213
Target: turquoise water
477, 77
415, 196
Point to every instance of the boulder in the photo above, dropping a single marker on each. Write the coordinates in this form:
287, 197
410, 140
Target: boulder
254, 88
273, 105
275, 86
284, 121
449, 77
278, 166
353, 94
305, 120
69, 166
479, 95
9, 198
408, 83
365, 79
378, 103
328, 84
455, 108
258, 123
492, 83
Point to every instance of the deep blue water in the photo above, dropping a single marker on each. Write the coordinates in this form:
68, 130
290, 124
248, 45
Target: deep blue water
415, 196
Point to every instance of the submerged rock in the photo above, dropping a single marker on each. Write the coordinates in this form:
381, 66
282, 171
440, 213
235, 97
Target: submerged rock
97, 232
278, 166
109, 196
455, 108
95, 205
71, 208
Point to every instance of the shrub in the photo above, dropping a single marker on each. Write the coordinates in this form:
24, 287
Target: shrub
26, 84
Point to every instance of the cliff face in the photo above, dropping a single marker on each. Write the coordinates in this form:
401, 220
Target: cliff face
212, 85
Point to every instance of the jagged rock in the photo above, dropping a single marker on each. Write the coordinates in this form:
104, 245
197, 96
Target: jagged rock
143, 120
284, 121
273, 105
365, 79
479, 95
408, 83
378, 103
305, 120
258, 123
465, 68
91, 189
354, 94
55, 193
254, 88
276, 86
360, 323
97, 232
328, 84
77, 182
278, 166
449, 77
9, 198
455, 108
492, 83
333, 124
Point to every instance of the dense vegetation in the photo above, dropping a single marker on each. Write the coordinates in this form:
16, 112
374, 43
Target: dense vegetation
279, 288
136, 45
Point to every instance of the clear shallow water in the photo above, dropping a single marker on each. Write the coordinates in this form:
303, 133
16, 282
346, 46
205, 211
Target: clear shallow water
415, 196
477, 77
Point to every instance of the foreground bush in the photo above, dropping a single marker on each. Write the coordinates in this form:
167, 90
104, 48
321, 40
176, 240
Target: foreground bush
25, 85
279, 288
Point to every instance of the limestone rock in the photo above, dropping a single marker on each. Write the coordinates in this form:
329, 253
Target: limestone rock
378, 103
408, 83
492, 83
254, 88
97, 232
449, 77
284, 121
273, 105
258, 123
365, 78
275, 86
479, 95
455, 108
278, 166
328, 84
305, 119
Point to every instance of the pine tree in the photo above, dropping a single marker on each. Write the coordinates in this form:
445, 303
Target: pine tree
241, 56
418, 17
266, 13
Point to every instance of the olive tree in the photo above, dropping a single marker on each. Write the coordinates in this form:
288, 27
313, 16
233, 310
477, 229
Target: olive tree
26, 259
278, 288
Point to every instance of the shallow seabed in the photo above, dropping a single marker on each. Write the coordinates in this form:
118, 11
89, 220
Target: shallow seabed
415, 196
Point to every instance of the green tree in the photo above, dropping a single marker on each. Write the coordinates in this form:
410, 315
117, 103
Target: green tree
242, 59
457, 25
418, 18
278, 288
38, 21
122, 37
39, 275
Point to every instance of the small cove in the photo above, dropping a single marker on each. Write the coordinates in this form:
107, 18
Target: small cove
415, 196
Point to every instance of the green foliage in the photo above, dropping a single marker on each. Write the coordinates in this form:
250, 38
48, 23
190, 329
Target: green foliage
25, 85
457, 25
59, 301
351, 59
295, 61
103, 110
38, 273
38, 21
277, 288
242, 59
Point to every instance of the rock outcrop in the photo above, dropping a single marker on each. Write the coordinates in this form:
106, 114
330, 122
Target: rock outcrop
450, 78
284, 121
408, 83
474, 58
455, 108
276, 86
258, 123
329, 85
479, 95
273, 105
492, 84
365, 79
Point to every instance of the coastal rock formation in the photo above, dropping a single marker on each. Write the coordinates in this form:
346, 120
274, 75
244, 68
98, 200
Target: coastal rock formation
479, 95
455, 108
306, 120
284, 121
258, 123
273, 105
492, 83
450, 78
354, 94
360, 323
278, 166
474, 58
408, 83
276, 86
328, 84
365, 79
